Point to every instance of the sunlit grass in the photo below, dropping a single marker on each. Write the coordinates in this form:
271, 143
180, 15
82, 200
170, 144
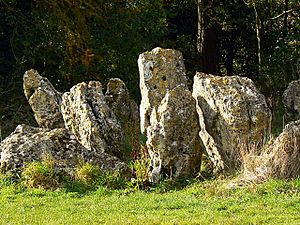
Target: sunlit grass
274, 202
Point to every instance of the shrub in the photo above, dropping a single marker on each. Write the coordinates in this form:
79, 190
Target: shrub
112, 180
6, 179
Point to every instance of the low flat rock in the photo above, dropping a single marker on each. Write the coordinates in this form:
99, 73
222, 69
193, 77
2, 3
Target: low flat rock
283, 159
27, 144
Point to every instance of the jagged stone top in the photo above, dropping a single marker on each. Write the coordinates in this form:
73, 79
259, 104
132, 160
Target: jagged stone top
158, 60
44, 100
160, 70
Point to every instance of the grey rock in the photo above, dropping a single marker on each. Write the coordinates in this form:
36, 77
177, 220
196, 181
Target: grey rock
173, 142
283, 156
291, 101
43, 99
27, 144
233, 115
126, 110
89, 118
160, 70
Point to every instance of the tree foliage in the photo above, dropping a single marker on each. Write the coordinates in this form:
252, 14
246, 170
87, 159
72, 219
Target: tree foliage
70, 41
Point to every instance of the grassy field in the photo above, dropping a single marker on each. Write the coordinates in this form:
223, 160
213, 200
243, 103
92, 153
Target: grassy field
274, 202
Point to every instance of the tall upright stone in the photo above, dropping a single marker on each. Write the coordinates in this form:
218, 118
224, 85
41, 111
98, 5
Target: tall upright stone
89, 118
233, 116
43, 99
168, 115
160, 70
173, 142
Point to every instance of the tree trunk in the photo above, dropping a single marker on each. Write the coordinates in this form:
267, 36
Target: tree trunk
258, 35
206, 40
209, 58
200, 34
230, 53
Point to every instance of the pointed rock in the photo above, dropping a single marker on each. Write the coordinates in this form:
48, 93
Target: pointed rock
43, 99
89, 118
126, 110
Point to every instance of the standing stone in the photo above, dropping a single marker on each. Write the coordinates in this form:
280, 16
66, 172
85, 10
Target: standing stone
160, 70
43, 99
168, 115
89, 118
27, 144
233, 115
126, 110
173, 140
291, 101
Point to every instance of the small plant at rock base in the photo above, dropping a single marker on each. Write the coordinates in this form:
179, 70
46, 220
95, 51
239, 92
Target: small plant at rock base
140, 166
41, 174
87, 173
6, 179
133, 139
89, 177
112, 180
207, 168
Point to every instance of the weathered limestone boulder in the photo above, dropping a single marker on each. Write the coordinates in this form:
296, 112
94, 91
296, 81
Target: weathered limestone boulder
43, 99
278, 159
283, 159
173, 142
89, 118
126, 110
27, 144
232, 115
160, 70
291, 101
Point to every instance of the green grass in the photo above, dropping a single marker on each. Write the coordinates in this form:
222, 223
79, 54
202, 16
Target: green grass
274, 202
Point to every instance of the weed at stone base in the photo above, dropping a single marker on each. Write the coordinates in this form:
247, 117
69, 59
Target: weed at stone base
140, 165
40, 174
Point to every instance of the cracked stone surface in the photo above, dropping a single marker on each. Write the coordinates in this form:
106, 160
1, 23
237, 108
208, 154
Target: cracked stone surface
233, 115
160, 70
291, 101
173, 142
168, 115
27, 144
126, 110
43, 99
89, 118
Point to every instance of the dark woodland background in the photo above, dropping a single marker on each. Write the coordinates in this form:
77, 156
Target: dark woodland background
69, 41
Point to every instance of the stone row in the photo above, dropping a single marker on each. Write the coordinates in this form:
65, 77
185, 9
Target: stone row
223, 117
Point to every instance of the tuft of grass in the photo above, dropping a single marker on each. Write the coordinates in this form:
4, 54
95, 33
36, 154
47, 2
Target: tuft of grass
90, 177
87, 173
140, 165
41, 174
